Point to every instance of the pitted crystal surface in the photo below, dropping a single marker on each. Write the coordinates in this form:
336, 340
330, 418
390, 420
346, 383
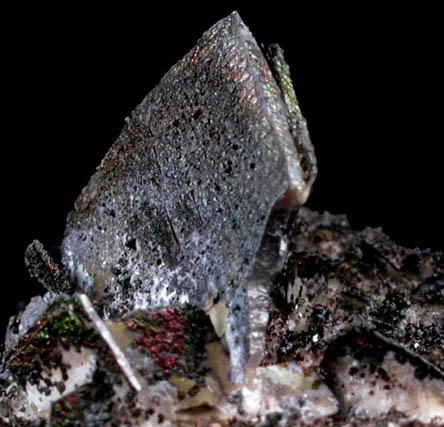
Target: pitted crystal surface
177, 210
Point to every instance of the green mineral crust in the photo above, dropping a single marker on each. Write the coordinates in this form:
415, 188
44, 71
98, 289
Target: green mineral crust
195, 290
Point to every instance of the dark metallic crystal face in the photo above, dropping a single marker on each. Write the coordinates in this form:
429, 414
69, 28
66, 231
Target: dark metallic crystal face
178, 207
177, 210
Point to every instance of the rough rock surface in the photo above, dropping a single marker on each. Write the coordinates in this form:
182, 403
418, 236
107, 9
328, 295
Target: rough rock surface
365, 313
195, 290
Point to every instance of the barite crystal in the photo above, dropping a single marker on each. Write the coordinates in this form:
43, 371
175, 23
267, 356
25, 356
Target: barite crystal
196, 290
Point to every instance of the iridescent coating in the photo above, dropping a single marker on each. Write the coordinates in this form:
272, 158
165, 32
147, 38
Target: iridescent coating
177, 210
298, 126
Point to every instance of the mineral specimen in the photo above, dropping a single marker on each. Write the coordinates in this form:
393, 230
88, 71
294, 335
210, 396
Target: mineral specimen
195, 290
177, 210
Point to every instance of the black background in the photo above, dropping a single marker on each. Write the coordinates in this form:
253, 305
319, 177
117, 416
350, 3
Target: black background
368, 83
